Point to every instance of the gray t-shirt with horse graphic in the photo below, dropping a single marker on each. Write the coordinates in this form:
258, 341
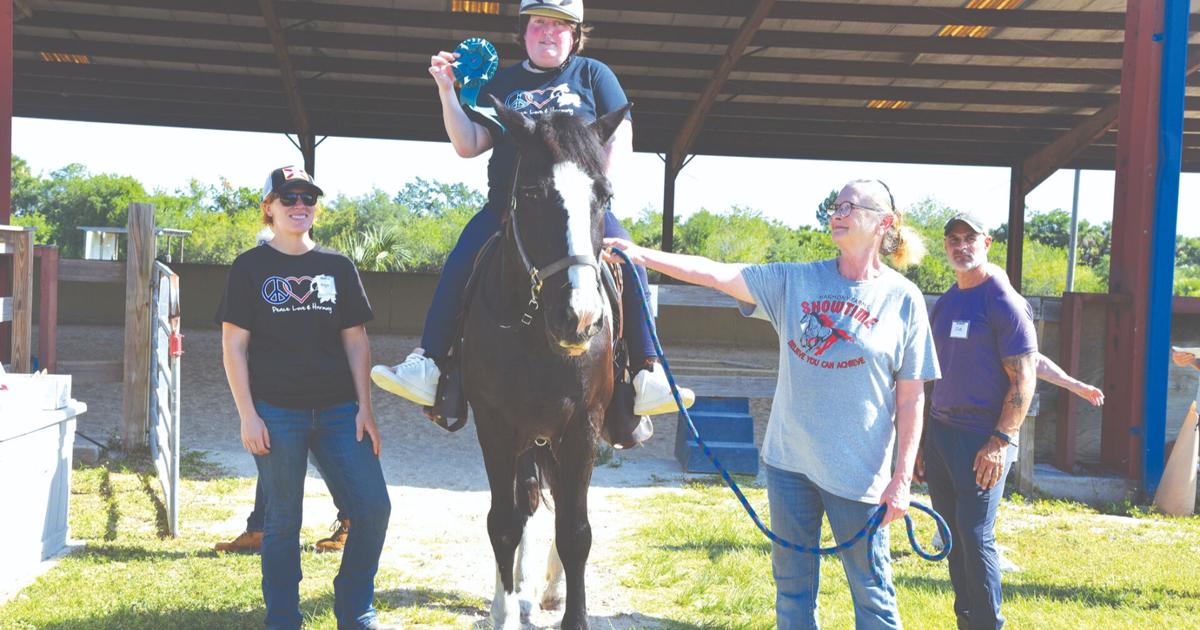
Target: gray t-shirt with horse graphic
842, 346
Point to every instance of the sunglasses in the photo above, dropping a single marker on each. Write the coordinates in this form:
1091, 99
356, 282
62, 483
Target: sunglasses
846, 207
289, 199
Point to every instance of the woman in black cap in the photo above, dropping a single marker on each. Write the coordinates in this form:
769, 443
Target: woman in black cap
297, 359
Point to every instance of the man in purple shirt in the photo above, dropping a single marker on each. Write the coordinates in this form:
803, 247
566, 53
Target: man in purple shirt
986, 344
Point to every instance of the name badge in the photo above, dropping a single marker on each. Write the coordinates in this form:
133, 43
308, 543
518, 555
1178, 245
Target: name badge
959, 328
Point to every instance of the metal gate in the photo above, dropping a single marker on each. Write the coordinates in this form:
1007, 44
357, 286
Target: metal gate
166, 348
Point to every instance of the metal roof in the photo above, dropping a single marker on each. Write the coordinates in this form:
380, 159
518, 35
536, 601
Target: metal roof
986, 82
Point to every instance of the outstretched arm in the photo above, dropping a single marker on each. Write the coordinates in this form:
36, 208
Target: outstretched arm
724, 277
1050, 372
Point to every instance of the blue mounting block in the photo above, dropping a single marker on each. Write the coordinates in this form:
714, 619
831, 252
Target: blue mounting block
727, 428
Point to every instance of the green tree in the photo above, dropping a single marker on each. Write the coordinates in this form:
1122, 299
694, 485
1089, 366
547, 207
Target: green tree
376, 249
72, 198
425, 197
646, 230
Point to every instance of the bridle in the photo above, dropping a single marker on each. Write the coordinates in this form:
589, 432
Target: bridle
538, 276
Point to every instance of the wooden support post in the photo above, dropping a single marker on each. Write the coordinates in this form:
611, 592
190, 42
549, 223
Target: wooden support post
668, 215
308, 147
1026, 446
20, 241
1016, 226
48, 308
1026, 441
137, 325
1070, 329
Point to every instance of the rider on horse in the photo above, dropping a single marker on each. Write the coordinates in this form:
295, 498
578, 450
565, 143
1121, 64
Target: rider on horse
552, 78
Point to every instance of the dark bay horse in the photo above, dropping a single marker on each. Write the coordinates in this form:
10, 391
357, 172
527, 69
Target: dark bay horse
538, 352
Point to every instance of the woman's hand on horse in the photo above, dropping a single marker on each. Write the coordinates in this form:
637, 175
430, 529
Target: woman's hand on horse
440, 66
364, 422
631, 250
255, 436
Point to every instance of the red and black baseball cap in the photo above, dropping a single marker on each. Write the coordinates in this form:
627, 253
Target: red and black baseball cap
287, 178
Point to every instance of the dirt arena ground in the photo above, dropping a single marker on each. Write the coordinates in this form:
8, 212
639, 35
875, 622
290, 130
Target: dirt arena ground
437, 534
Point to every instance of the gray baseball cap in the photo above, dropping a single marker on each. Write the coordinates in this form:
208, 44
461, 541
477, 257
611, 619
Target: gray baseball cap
972, 221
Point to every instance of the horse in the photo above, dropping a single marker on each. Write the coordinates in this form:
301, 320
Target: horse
537, 355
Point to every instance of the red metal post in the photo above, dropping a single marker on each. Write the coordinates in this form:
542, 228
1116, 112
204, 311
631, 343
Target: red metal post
6, 110
1133, 223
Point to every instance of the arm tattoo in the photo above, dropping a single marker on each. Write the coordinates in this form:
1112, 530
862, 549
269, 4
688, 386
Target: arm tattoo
1022, 370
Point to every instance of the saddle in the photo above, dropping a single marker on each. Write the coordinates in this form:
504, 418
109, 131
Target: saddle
450, 401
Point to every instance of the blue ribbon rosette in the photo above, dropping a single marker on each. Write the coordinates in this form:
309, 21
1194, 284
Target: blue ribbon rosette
476, 65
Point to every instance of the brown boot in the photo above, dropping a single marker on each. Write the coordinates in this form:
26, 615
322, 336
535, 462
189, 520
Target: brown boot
245, 542
336, 540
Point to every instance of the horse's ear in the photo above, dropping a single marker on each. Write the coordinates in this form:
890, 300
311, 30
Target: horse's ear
607, 124
516, 123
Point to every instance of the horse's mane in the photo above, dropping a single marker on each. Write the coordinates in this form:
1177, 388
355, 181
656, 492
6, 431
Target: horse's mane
569, 139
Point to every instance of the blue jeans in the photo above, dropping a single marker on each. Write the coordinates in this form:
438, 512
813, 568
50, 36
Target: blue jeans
970, 511
329, 434
447, 303
796, 508
254, 522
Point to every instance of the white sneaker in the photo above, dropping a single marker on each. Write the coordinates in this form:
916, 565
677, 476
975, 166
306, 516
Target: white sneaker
416, 379
652, 393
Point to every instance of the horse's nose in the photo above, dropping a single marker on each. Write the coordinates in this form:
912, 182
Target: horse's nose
584, 314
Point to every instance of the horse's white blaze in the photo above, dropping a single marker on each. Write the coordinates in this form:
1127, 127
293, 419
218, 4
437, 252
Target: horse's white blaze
575, 187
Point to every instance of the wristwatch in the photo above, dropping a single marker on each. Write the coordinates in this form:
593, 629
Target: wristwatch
1004, 437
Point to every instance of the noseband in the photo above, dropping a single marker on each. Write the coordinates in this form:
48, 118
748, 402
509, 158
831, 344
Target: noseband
538, 276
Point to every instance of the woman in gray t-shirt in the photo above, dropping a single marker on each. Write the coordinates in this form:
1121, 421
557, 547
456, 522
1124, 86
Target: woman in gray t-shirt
855, 349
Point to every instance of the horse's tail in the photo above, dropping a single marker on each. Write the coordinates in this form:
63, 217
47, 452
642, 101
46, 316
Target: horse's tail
540, 478
535, 473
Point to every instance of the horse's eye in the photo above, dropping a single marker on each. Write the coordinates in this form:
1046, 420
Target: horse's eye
531, 192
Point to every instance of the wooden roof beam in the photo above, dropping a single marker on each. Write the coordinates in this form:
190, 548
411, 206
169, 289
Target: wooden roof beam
1042, 164
303, 130
816, 11
24, 8
695, 119
784, 39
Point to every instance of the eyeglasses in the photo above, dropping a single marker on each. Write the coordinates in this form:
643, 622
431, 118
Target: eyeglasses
846, 207
289, 199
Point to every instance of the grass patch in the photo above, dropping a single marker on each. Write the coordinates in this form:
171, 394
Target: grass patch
707, 567
133, 576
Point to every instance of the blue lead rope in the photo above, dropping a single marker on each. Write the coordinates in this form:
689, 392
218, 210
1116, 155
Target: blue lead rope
868, 530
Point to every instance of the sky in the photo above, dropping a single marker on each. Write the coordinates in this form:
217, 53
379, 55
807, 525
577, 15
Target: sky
789, 190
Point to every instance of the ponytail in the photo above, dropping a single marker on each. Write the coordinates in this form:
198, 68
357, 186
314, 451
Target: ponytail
903, 244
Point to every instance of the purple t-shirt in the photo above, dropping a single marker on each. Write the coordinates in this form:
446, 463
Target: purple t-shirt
973, 329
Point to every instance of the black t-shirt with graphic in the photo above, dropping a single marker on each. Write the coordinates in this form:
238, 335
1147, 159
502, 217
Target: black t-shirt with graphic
295, 307
584, 87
